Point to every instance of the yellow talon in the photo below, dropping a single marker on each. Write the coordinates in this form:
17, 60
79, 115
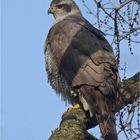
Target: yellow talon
76, 106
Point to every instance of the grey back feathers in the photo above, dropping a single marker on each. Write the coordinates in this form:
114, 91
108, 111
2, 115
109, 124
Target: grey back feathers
77, 54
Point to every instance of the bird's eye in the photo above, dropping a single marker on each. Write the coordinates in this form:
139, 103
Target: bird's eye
60, 6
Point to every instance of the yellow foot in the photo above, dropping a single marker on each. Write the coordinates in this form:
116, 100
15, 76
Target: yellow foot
76, 106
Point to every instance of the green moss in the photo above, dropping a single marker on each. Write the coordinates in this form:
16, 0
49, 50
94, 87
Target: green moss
132, 80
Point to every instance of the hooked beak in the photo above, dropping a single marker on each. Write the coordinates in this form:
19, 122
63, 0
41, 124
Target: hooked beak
51, 10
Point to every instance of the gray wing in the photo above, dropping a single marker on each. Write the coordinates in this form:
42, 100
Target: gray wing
79, 54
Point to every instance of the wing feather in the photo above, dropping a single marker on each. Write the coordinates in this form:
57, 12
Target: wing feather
77, 54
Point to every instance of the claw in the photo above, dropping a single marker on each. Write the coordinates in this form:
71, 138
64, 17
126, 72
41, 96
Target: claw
76, 106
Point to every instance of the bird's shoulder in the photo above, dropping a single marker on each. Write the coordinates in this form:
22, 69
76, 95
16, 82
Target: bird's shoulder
75, 22
74, 25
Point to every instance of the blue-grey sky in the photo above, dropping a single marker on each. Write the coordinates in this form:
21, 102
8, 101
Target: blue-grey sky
30, 109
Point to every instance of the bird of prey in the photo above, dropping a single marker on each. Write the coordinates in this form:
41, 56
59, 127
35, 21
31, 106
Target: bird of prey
81, 66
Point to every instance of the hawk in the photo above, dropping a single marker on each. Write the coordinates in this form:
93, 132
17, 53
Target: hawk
81, 66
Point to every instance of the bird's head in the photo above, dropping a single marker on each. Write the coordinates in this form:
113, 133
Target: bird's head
63, 8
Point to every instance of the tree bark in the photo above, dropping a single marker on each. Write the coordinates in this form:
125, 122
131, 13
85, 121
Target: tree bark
76, 122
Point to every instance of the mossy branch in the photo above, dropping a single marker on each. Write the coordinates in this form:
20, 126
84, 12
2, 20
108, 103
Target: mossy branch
76, 122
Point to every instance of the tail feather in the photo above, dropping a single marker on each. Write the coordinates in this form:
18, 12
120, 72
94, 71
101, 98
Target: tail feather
105, 116
107, 127
101, 106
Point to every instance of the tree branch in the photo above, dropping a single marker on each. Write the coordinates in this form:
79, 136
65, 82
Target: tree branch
76, 122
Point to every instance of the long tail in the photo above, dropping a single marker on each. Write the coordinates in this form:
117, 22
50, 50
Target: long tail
105, 118
101, 105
